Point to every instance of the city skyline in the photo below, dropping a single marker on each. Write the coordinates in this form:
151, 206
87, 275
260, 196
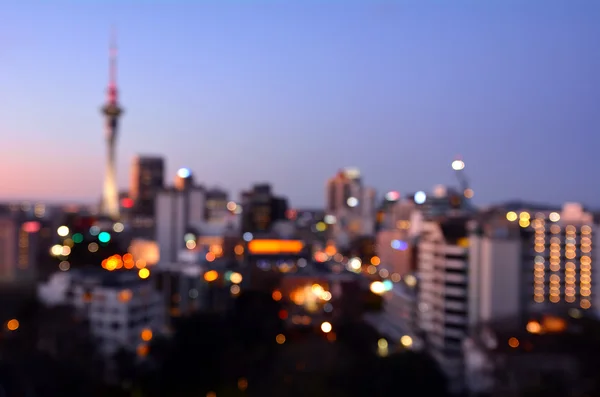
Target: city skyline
395, 90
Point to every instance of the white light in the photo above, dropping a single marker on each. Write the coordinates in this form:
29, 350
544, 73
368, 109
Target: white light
554, 217
184, 173
330, 219
352, 202
118, 227
231, 206
326, 327
248, 236
355, 263
56, 250
377, 287
63, 231
420, 197
458, 165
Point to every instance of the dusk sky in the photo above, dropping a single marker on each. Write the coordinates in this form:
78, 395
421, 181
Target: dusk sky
290, 91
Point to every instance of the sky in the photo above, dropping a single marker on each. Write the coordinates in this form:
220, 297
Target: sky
290, 91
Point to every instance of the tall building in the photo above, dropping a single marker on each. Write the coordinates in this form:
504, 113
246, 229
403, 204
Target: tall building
559, 255
350, 206
476, 270
216, 206
180, 210
19, 249
111, 111
261, 209
147, 178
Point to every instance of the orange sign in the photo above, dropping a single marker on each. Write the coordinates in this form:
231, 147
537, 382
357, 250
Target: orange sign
271, 247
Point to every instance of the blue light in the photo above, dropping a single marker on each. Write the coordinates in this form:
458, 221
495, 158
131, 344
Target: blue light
399, 245
248, 236
104, 237
420, 197
388, 285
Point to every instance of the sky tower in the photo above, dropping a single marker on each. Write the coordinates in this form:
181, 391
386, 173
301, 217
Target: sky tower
111, 111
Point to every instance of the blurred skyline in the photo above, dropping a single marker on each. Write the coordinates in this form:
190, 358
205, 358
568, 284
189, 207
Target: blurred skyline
289, 92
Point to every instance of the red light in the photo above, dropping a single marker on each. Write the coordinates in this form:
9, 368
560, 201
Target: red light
126, 202
31, 227
283, 314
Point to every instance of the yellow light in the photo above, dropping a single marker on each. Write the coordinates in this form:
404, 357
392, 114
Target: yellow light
211, 275
511, 216
326, 327
523, 222
235, 278
406, 341
463, 242
275, 246
144, 273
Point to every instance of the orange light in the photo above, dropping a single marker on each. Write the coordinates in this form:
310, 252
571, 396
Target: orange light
142, 350
144, 273
239, 250
513, 342
211, 275
375, 261
146, 335
276, 295
127, 257
275, 246
140, 264
12, 325
125, 295
210, 256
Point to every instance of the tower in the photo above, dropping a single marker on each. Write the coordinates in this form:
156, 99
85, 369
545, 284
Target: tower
111, 111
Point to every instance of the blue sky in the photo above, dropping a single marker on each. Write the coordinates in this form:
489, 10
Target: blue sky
290, 91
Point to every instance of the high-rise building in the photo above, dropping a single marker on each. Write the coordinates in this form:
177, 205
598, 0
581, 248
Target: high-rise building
112, 112
476, 270
216, 206
261, 209
350, 206
147, 178
19, 249
180, 211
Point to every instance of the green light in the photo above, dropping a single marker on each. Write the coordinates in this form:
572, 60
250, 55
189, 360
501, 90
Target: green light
77, 238
104, 237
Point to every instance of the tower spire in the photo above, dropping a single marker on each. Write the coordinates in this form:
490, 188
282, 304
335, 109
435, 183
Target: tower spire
112, 78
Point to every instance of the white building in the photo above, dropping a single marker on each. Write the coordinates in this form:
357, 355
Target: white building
350, 206
559, 255
119, 306
478, 271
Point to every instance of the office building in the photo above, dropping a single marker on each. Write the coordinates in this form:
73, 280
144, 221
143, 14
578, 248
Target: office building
216, 206
180, 211
19, 249
350, 207
120, 307
262, 209
147, 178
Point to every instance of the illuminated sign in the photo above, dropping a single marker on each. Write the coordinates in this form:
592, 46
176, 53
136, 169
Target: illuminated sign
272, 247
